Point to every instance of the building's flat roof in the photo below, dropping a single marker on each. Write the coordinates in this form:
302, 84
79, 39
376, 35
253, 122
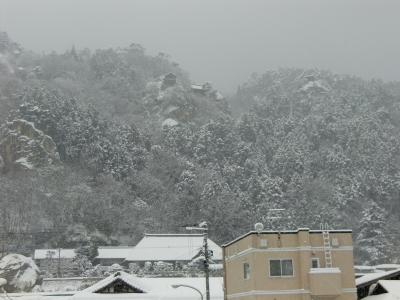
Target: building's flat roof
286, 232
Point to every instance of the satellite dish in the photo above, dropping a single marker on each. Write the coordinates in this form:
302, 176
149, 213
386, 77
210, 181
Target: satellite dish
3, 282
259, 227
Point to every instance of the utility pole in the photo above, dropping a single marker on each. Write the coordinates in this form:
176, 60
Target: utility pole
206, 263
204, 227
59, 263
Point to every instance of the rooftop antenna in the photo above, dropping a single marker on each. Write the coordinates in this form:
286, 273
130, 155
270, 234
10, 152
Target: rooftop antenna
259, 227
203, 226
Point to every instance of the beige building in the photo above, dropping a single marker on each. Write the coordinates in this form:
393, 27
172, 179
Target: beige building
290, 265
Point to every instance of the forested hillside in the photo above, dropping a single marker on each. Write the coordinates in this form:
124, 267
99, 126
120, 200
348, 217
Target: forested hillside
101, 146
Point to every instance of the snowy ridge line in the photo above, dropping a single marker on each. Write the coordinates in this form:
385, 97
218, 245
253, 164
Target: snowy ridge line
288, 249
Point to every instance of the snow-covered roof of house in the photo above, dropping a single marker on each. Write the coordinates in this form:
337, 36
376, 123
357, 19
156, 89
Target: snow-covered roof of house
391, 286
171, 247
54, 253
125, 277
367, 268
387, 266
371, 278
111, 252
384, 296
154, 288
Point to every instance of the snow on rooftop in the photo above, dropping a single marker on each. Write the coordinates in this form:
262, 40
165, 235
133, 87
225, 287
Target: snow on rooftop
387, 266
368, 268
324, 270
374, 277
171, 247
113, 252
155, 288
393, 290
385, 296
392, 286
54, 253
127, 278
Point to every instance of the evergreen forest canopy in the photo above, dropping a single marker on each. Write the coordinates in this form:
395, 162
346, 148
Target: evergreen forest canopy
98, 145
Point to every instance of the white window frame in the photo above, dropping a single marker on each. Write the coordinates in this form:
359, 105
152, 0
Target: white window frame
244, 271
315, 259
281, 276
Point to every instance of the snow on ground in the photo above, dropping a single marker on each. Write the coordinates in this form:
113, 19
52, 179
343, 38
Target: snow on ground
38, 296
157, 288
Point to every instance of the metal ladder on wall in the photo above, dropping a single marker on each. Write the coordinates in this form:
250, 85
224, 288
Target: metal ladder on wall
327, 245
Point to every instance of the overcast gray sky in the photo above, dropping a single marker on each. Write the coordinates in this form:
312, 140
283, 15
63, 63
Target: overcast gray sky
222, 41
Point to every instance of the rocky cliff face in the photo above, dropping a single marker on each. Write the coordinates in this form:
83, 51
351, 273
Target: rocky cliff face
22, 146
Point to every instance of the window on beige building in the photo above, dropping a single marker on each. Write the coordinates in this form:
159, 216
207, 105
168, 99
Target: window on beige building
246, 271
280, 267
315, 262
